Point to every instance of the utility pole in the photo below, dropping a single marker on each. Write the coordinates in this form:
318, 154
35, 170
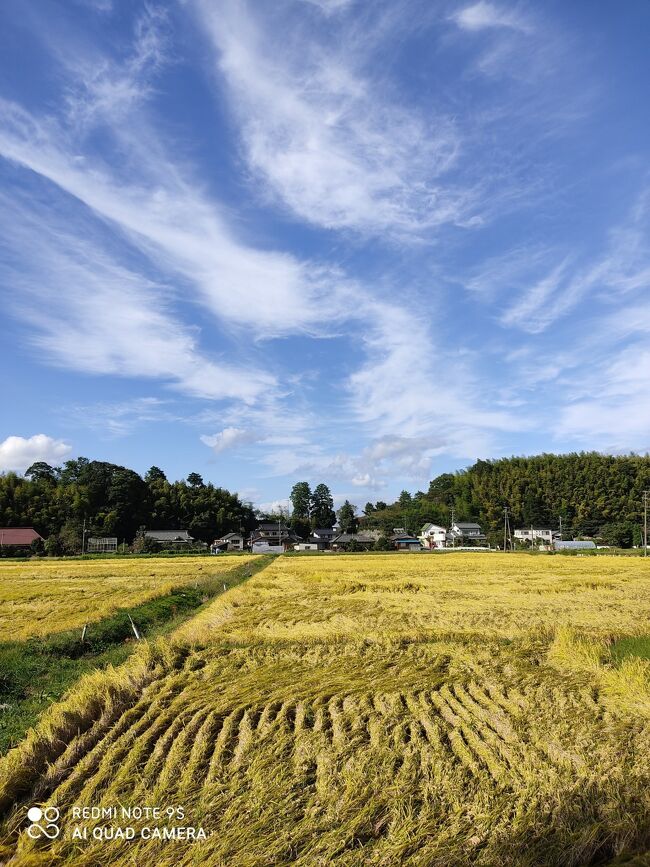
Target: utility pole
560, 528
505, 528
83, 538
645, 523
453, 536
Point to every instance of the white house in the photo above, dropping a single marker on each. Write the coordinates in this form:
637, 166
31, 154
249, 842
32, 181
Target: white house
465, 533
230, 542
433, 536
535, 535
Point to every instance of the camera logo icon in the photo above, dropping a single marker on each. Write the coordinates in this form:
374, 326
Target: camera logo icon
44, 823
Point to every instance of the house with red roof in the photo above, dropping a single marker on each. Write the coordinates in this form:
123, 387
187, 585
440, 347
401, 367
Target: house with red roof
18, 537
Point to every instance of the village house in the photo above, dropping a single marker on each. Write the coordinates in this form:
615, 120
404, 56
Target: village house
18, 537
271, 531
465, 533
271, 535
433, 536
229, 542
322, 537
535, 536
170, 538
405, 542
341, 541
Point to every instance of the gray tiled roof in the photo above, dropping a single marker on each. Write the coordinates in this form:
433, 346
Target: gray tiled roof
169, 535
343, 538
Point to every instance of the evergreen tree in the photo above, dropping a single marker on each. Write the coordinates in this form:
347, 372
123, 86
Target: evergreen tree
347, 518
301, 501
41, 472
405, 499
154, 475
322, 507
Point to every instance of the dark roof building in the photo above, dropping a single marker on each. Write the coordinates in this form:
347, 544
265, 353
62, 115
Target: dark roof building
18, 537
344, 539
177, 537
466, 530
271, 527
404, 541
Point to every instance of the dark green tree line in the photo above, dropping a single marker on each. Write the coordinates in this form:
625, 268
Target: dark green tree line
115, 501
593, 494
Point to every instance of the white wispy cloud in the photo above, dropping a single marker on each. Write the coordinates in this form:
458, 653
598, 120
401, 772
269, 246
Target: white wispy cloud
365, 480
622, 269
123, 244
100, 88
611, 410
484, 16
102, 6
325, 140
229, 438
119, 418
91, 313
330, 6
402, 389
537, 306
18, 453
176, 223
155, 200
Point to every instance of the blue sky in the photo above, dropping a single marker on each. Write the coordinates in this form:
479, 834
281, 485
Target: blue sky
332, 240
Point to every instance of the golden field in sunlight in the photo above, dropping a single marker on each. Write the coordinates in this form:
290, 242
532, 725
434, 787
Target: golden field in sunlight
422, 595
39, 597
460, 709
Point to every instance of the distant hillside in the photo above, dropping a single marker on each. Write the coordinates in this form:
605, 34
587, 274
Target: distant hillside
588, 490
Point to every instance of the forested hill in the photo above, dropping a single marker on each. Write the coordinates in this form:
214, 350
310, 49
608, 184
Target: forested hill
115, 501
590, 491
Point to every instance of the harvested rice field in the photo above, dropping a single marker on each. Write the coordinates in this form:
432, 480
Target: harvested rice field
39, 597
462, 709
